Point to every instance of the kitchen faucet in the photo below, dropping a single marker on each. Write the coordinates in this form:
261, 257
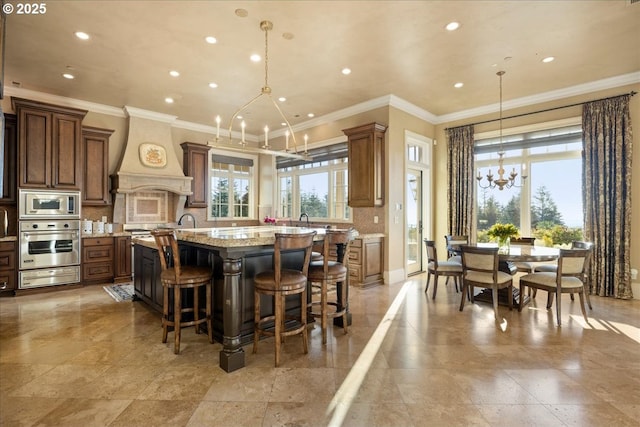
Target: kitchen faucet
193, 218
305, 215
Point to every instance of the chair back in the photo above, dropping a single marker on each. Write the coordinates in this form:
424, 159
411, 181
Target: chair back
432, 253
573, 262
480, 259
167, 244
523, 241
285, 242
332, 238
455, 240
581, 245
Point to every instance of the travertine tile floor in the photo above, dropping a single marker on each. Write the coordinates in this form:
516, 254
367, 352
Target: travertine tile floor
78, 358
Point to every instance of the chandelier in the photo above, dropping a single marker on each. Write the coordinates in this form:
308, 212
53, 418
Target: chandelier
501, 182
265, 26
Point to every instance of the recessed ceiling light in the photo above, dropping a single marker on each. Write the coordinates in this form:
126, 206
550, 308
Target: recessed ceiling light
548, 59
311, 115
213, 85
458, 85
242, 13
255, 57
283, 124
282, 99
452, 26
82, 35
288, 36
168, 100
211, 40
68, 76
174, 73
239, 117
346, 71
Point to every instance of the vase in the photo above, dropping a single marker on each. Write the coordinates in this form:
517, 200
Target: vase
503, 243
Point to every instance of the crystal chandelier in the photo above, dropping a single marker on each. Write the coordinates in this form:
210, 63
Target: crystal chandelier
501, 182
265, 26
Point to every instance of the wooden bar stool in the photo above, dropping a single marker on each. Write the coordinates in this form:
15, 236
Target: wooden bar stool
331, 272
278, 283
181, 277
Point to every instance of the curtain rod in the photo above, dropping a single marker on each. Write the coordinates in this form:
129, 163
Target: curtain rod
543, 111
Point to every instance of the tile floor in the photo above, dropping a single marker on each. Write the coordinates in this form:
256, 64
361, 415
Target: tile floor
78, 358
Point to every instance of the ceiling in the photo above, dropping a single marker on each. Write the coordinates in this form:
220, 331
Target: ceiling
393, 48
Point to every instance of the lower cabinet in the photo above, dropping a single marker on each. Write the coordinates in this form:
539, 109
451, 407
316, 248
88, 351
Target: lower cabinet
366, 261
122, 260
8, 266
97, 259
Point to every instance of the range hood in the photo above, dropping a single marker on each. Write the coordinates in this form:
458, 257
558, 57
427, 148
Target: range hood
149, 163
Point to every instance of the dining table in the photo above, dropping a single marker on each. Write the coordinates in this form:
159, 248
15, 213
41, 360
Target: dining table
507, 257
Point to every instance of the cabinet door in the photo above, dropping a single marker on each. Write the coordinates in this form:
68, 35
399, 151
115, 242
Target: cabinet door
9, 172
95, 166
122, 259
66, 152
34, 136
195, 164
366, 165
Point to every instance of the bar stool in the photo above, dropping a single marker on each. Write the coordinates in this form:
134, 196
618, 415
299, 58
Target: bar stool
181, 277
278, 283
328, 272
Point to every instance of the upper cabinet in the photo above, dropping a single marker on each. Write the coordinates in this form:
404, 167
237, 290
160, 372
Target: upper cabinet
49, 145
196, 165
95, 166
8, 166
366, 165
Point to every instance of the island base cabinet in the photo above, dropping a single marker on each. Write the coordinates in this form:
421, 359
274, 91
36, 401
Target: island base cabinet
366, 261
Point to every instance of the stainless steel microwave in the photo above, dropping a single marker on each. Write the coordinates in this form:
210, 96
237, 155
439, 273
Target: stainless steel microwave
48, 204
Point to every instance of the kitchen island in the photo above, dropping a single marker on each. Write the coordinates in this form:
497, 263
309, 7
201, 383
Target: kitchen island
236, 255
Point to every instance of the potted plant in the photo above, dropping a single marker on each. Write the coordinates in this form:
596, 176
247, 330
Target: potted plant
503, 233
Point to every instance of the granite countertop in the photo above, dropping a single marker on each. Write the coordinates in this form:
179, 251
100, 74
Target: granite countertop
114, 234
235, 237
9, 239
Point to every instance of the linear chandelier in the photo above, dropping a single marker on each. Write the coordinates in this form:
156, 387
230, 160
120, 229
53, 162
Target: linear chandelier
241, 145
501, 182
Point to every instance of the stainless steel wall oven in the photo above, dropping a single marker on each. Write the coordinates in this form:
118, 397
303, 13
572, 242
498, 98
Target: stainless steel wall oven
49, 238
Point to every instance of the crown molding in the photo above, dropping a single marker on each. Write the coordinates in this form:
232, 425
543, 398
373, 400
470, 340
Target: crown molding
149, 115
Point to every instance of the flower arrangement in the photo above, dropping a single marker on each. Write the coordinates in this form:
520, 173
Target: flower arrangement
502, 231
269, 220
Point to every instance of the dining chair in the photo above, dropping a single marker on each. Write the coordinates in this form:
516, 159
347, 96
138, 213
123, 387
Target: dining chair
278, 283
568, 278
178, 277
576, 244
453, 242
480, 268
440, 268
330, 271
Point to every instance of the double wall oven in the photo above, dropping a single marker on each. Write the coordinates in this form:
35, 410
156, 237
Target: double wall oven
49, 236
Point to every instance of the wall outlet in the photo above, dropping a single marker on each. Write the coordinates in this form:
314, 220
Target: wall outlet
233, 224
375, 219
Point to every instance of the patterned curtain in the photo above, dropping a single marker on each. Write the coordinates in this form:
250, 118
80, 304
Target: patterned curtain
460, 180
606, 133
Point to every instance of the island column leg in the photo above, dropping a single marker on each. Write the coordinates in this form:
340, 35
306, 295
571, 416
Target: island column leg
232, 353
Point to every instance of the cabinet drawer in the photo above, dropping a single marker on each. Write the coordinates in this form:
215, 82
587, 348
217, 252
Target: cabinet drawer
7, 246
357, 243
95, 271
354, 272
97, 241
355, 256
7, 281
97, 254
7, 260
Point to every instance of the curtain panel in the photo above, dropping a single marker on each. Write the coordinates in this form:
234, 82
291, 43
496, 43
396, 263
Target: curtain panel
460, 180
606, 175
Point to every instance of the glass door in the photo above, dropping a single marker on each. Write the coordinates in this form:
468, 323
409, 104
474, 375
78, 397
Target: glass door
414, 221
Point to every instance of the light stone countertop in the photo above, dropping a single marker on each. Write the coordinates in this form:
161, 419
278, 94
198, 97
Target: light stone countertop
114, 234
9, 239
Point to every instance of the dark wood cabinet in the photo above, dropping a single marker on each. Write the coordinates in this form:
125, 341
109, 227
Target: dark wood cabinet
122, 259
196, 165
10, 163
95, 166
97, 259
366, 165
366, 261
49, 145
146, 281
8, 254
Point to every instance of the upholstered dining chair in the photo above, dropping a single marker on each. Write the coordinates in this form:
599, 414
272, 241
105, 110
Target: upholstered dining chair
440, 268
568, 278
453, 255
576, 244
278, 283
480, 268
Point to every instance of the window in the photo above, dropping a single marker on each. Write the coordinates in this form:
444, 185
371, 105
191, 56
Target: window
317, 188
548, 206
232, 187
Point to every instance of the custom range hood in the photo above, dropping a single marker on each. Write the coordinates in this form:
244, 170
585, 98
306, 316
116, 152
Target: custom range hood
149, 185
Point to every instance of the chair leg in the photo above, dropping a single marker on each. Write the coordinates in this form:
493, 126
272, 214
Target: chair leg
510, 296
523, 287
344, 293
435, 285
549, 300
177, 317
558, 305
278, 326
584, 310
165, 313
428, 279
465, 291
303, 317
209, 313
587, 290
494, 299
256, 321
196, 308
323, 311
